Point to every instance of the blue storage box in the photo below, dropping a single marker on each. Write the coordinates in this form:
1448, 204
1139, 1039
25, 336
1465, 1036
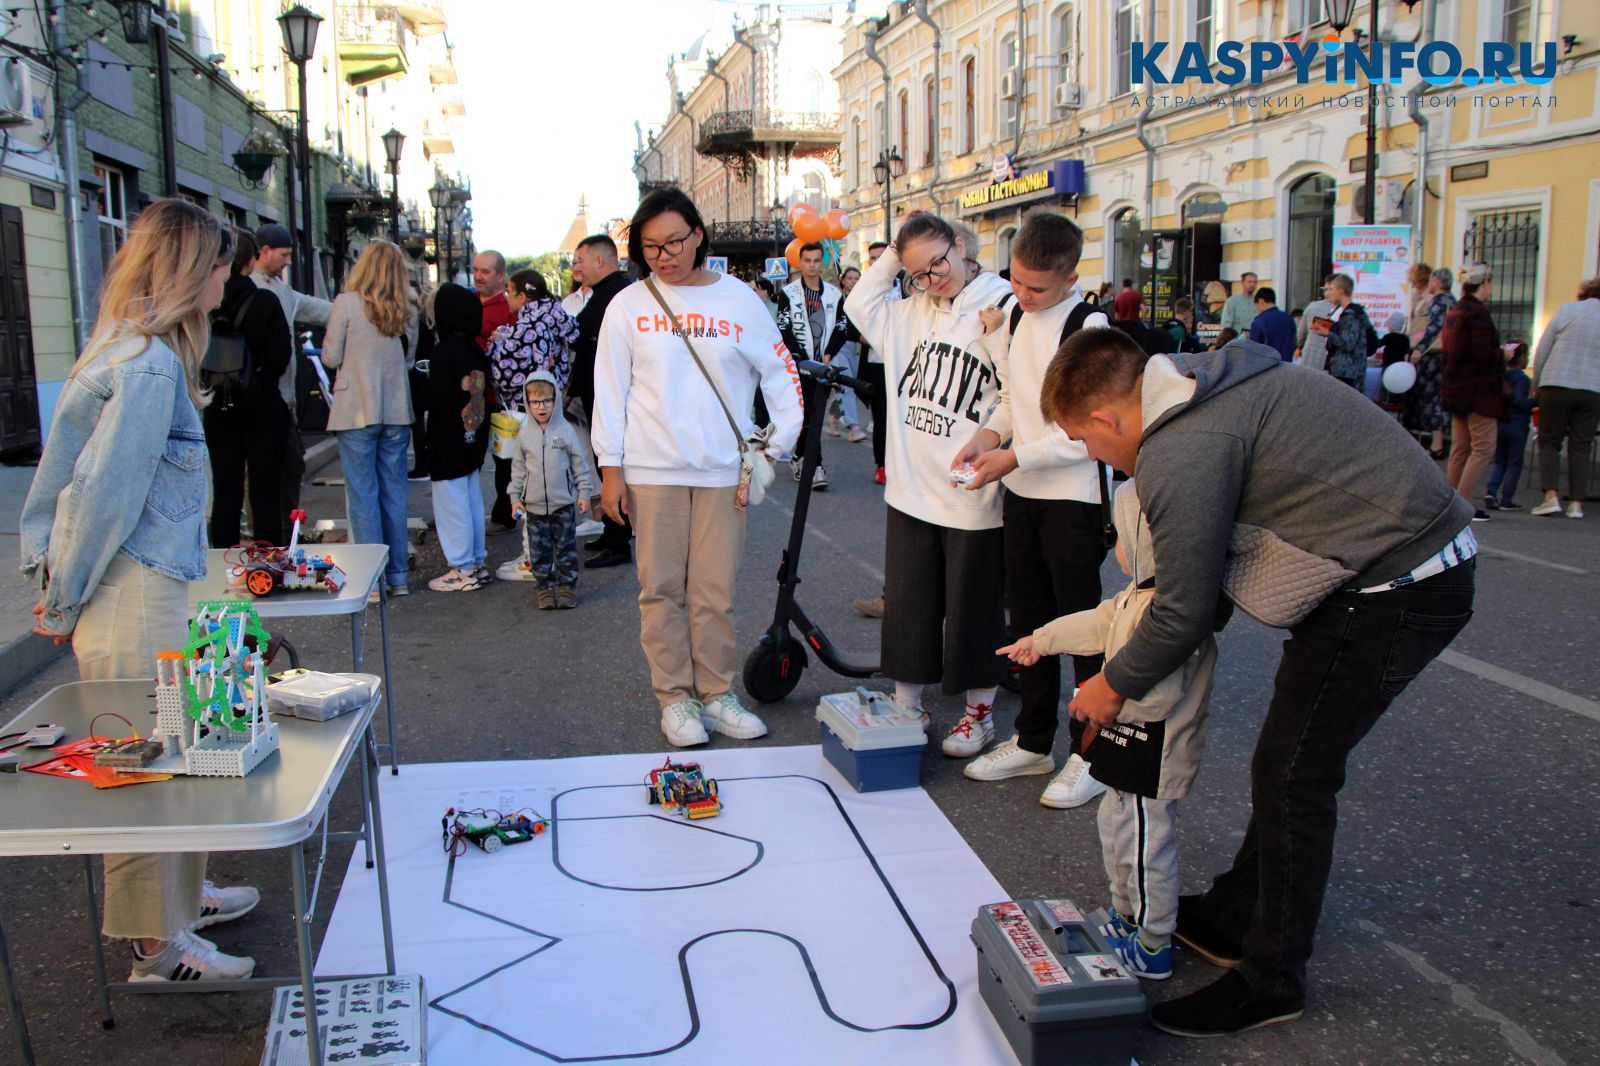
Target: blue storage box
872, 741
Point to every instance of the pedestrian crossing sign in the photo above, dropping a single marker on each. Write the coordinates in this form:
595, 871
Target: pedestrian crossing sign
718, 263
777, 269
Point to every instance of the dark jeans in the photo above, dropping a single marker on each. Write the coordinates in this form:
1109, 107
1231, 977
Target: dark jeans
1506, 473
291, 472
419, 423
247, 438
872, 374
1054, 549
1341, 668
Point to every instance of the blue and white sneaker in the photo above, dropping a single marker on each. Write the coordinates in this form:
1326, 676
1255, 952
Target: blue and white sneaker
1116, 925
1141, 961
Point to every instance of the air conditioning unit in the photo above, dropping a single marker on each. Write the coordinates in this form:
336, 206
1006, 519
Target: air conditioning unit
1069, 96
1008, 85
16, 94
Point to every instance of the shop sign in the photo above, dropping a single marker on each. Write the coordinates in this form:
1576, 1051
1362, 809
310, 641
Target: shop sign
1064, 177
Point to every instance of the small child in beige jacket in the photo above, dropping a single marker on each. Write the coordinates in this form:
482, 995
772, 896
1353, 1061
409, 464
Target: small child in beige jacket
1148, 758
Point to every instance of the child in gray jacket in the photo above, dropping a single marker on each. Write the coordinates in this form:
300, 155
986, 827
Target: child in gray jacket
550, 485
1147, 758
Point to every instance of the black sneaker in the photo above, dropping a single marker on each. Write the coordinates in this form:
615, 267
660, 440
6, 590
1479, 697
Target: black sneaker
1204, 939
1223, 1008
1491, 504
1480, 516
1510, 505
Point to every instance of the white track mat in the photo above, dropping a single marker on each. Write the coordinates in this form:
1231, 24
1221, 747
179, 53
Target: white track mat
804, 924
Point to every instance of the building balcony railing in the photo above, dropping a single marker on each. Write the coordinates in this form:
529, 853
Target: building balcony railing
648, 187
372, 43
749, 235
734, 131
425, 17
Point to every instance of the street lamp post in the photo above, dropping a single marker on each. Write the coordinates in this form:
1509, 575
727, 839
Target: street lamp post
889, 166
439, 196
299, 26
393, 142
1340, 13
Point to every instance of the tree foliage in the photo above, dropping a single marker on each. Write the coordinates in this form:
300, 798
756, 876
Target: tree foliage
553, 265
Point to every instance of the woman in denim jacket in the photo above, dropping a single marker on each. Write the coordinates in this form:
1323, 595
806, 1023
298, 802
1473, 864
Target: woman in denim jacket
113, 531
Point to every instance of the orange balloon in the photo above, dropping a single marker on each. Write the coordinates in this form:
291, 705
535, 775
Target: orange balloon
792, 253
810, 227
838, 224
799, 211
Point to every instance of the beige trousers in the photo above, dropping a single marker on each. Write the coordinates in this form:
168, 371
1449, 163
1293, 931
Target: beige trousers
1472, 441
689, 543
134, 613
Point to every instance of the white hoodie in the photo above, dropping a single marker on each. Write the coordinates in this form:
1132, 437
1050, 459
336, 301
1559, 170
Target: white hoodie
941, 384
655, 414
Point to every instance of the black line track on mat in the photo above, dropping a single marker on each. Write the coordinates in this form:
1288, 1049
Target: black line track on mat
437, 1002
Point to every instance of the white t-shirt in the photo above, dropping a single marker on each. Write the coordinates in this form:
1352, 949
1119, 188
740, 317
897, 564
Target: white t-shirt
941, 385
656, 416
1050, 465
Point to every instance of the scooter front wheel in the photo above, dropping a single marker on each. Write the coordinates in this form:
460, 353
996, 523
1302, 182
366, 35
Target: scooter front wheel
770, 675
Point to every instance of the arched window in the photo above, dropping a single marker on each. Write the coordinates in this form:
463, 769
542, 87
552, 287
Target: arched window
1010, 91
904, 117
815, 191
1310, 236
1203, 207
1124, 247
880, 127
969, 105
1002, 246
930, 131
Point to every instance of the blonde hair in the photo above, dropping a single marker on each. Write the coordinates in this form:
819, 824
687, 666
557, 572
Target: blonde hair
379, 278
154, 287
1214, 293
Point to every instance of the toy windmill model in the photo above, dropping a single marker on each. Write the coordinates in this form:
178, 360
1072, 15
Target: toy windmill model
211, 696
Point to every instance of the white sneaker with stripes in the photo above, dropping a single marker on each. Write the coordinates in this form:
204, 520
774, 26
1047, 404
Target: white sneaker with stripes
189, 958
219, 905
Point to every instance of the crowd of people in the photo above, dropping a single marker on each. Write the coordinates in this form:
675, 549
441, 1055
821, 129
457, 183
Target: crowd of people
1003, 412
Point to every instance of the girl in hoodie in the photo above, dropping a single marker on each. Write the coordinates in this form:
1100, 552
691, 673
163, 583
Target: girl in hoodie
943, 550
458, 374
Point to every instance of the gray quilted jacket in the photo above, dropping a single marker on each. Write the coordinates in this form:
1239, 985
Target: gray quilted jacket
1328, 487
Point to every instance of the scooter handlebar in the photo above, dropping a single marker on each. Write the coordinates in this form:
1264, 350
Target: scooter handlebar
833, 376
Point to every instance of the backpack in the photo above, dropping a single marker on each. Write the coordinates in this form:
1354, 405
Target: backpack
226, 369
1075, 321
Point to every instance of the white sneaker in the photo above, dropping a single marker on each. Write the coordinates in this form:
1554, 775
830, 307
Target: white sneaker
219, 905
972, 734
189, 958
819, 480
515, 570
681, 723
590, 528
1574, 509
454, 580
1008, 760
1552, 506
1072, 787
726, 715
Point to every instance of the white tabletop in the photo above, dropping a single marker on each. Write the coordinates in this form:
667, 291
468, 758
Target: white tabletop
279, 803
362, 564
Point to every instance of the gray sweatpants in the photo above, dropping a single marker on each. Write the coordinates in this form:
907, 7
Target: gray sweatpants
1139, 840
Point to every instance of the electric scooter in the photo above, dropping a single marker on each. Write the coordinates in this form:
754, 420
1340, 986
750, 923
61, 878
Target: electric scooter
773, 667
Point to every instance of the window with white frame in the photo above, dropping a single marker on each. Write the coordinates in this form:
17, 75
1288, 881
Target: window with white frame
1129, 28
1002, 245
113, 210
811, 93
930, 130
969, 105
904, 105
815, 191
1204, 19
880, 127
1010, 91
236, 217
1301, 15
1525, 21
1066, 45
858, 150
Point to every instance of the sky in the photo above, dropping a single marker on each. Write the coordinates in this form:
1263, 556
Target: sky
552, 89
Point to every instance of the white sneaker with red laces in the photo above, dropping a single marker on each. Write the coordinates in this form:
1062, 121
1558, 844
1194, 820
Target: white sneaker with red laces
972, 734
190, 958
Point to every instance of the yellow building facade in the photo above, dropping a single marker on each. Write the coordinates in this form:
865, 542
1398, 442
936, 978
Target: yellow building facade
982, 97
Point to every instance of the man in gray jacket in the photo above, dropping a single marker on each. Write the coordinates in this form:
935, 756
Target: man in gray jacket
1366, 556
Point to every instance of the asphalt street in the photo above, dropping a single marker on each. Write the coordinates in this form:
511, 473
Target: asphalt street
1461, 920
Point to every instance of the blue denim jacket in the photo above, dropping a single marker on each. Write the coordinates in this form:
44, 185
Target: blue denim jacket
123, 471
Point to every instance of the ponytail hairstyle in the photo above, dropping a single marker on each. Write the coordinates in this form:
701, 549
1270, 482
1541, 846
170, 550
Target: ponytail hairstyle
531, 284
155, 283
921, 225
379, 278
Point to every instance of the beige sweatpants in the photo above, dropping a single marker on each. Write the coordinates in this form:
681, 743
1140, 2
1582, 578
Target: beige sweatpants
690, 541
134, 613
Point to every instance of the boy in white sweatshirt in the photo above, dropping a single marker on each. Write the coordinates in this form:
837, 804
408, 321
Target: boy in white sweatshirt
1148, 757
1054, 508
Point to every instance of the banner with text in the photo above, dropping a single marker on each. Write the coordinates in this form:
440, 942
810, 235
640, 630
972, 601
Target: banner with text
1377, 257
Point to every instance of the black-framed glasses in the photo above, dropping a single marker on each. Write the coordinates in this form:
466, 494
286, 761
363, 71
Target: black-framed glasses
936, 269
546, 401
672, 247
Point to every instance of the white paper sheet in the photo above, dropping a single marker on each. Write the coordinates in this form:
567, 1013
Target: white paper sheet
805, 924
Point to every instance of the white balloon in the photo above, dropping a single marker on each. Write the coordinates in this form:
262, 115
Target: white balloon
1398, 377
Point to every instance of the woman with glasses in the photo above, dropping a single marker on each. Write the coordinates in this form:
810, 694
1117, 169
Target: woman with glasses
679, 358
114, 529
942, 556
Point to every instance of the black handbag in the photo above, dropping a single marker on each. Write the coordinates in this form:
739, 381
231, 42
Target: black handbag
225, 369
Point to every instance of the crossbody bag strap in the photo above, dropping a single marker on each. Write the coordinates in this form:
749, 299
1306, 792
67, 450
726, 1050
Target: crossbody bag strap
650, 283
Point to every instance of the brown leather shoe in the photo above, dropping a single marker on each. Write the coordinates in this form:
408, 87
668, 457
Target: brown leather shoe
872, 608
